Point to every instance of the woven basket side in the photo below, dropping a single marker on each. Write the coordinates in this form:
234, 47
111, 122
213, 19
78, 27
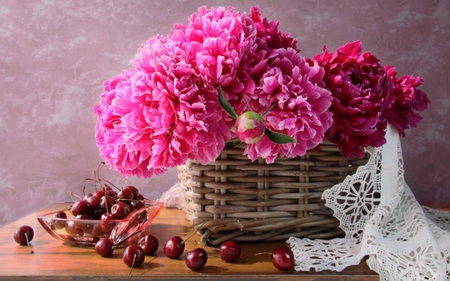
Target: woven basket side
235, 198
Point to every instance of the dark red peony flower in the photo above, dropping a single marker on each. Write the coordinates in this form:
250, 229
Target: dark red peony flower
361, 91
408, 100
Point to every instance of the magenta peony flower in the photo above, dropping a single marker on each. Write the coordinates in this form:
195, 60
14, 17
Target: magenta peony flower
408, 100
361, 92
165, 109
301, 106
161, 114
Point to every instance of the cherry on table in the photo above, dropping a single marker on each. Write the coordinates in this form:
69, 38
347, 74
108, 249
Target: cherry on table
196, 259
133, 255
282, 258
230, 251
174, 247
104, 247
23, 235
149, 243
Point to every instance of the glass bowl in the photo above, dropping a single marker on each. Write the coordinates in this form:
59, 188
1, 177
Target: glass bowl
86, 232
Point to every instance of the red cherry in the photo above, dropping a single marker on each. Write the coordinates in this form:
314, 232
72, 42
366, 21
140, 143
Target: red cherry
133, 256
79, 208
107, 222
125, 194
174, 247
230, 251
120, 210
59, 224
23, 235
149, 244
72, 228
104, 247
94, 202
106, 203
196, 259
282, 258
133, 190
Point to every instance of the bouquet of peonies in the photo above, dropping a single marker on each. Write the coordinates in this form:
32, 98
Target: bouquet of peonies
227, 75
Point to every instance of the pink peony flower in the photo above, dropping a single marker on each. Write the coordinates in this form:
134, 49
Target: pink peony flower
361, 92
301, 106
162, 116
408, 100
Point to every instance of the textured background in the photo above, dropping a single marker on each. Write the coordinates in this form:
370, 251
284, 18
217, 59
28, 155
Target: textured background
55, 55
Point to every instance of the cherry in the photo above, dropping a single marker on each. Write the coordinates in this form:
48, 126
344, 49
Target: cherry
133, 189
71, 227
79, 207
104, 247
120, 210
126, 194
230, 251
74, 228
149, 244
174, 247
106, 203
107, 222
59, 224
196, 259
23, 235
94, 202
133, 255
282, 258
139, 202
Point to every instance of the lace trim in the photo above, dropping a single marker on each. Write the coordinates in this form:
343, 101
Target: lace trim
382, 220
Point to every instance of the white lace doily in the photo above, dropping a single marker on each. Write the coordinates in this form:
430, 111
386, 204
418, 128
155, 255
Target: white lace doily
382, 220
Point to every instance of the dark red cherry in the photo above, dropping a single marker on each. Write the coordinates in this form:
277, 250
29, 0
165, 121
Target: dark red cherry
282, 258
133, 190
107, 222
104, 247
120, 210
149, 243
133, 255
59, 224
125, 195
79, 208
106, 202
174, 247
94, 202
23, 235
196, 259
230, 251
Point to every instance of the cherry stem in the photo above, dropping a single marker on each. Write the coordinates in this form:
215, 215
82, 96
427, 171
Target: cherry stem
110, 183
132, 265
28, 244
192, 233
72, 195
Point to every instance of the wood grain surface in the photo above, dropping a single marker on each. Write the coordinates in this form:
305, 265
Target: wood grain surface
52, 260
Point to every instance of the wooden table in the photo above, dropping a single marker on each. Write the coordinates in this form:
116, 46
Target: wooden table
54, 261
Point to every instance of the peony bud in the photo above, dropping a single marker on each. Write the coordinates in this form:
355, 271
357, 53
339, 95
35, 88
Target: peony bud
250, 127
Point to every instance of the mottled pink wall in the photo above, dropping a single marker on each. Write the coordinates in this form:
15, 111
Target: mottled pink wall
55, 55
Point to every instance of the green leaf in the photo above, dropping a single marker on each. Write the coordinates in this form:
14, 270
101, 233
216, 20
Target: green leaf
226, 106
279, 138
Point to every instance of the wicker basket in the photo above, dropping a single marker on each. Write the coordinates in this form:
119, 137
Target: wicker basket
234, 198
